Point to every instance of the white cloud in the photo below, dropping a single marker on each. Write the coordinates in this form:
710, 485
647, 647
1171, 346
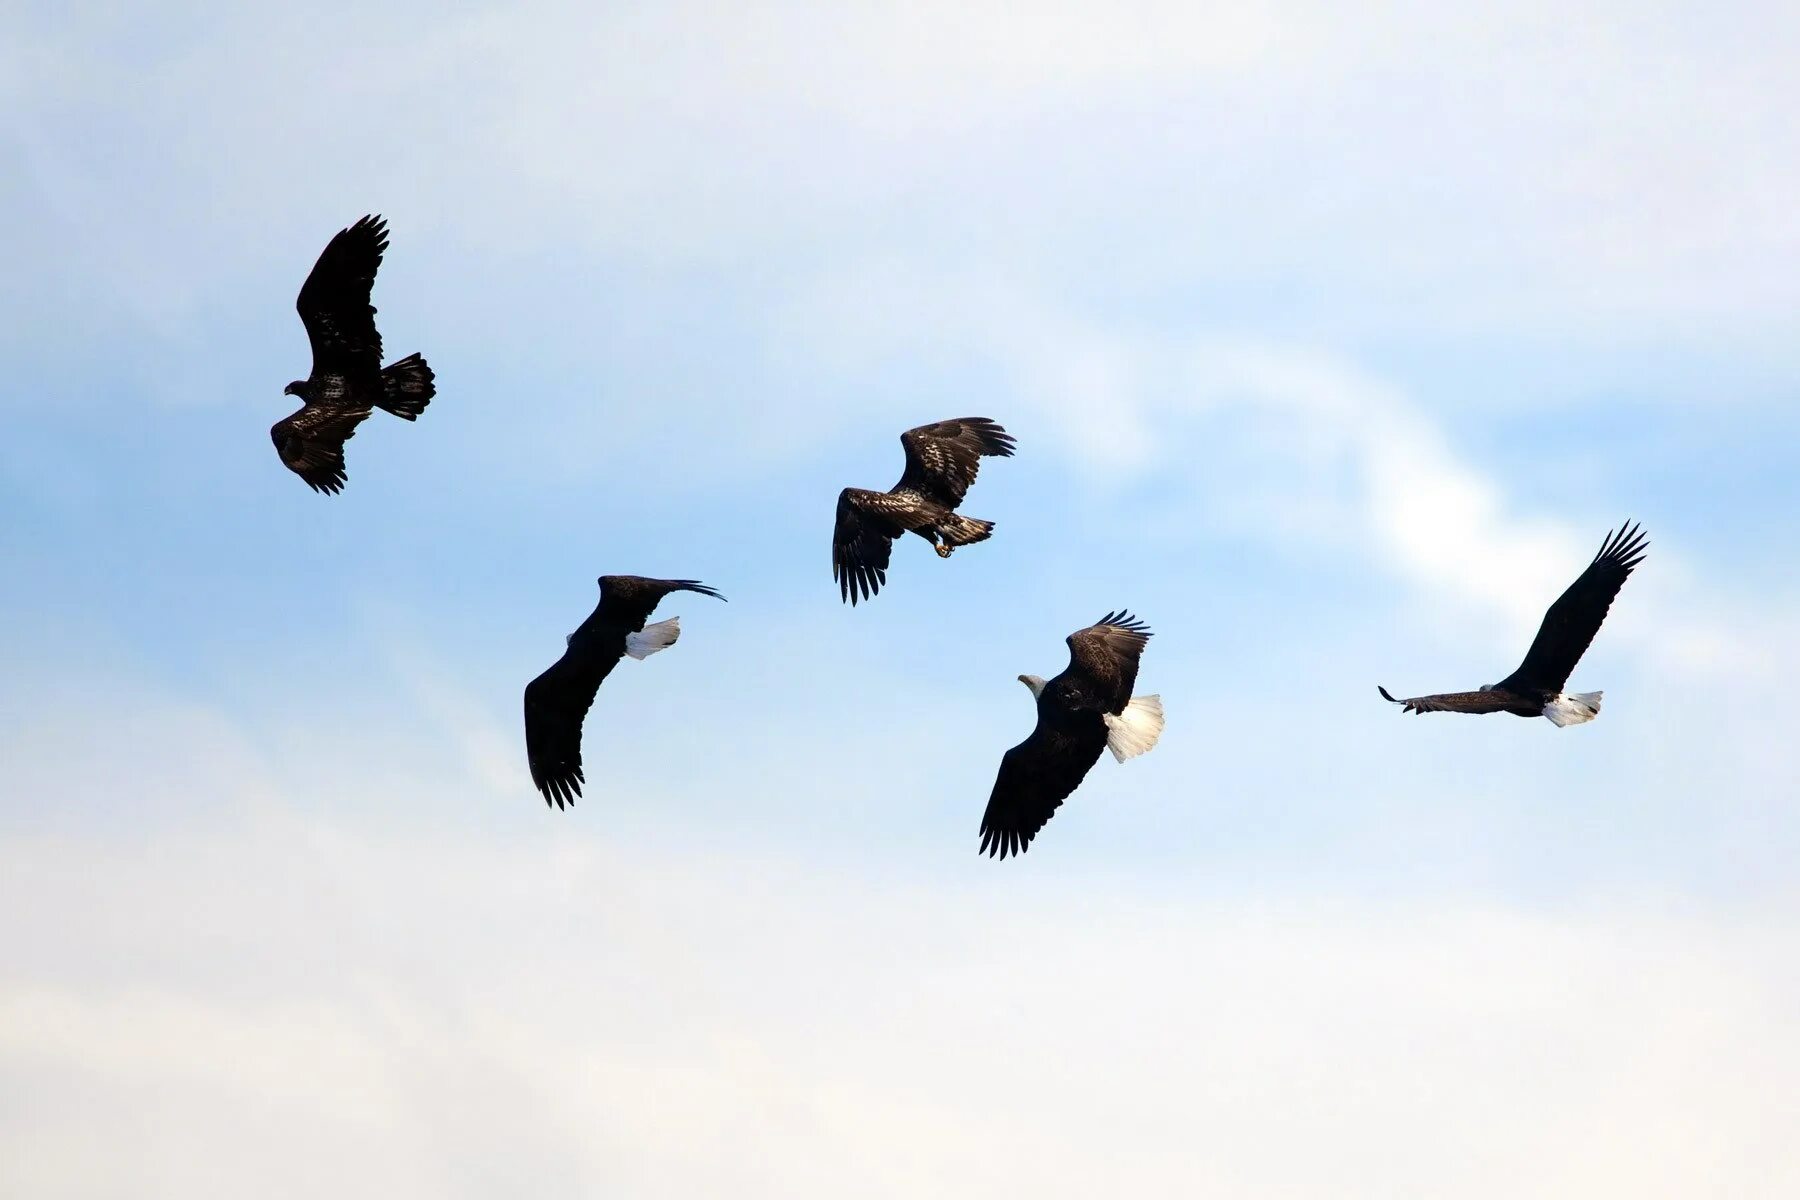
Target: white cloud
302, 1009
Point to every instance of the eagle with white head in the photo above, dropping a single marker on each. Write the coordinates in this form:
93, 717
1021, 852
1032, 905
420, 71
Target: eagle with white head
1536, 688
1086, 709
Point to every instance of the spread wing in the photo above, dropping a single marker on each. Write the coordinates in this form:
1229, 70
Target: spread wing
943, 459
1462, 702
628, 600
1107, 654
311, 443
334, 301
1035, 777
862, 542
1571, 623
556, 702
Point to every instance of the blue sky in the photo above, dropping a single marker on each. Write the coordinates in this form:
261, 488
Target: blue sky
1333, 339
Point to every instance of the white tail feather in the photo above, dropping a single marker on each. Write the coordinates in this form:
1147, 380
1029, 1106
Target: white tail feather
1573, 708
659, 636
1136, 729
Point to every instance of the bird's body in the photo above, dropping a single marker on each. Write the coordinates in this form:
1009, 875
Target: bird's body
942, 460
347, 382
557, 701
1081, 712
1569, 626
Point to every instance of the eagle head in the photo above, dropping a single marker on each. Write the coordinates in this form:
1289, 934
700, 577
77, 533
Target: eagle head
1034, 682
296, 388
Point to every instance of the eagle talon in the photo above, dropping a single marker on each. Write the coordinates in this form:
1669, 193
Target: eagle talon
943, 549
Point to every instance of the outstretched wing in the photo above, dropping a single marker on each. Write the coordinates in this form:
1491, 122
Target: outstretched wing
556, 703
311, 443
1035, 777
862, 542
334, 301
1571, 623
943, 459
1462, 702
1107, 654
628, 600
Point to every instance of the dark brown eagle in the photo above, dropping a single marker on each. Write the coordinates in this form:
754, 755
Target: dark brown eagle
1536, 688
558, 700
941, 462
347, 380
1086, 709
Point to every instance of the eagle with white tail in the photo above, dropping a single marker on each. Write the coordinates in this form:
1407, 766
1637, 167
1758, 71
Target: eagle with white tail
942, 460
348, 381
1536, 688
1086, 709
557, 701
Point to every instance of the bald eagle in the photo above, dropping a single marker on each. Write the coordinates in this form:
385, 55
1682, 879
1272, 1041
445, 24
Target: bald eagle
347, 380
941, 462
558, 700
1536, 688
1086, 709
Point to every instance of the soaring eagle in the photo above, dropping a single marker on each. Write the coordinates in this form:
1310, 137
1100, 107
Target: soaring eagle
557, 700
941, 463
347, 380
1536, 688
1086, 709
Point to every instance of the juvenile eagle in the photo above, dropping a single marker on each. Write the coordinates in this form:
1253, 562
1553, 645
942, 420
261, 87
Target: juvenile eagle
557, 700
1536, 688
1086, 709
347, 380
941, 463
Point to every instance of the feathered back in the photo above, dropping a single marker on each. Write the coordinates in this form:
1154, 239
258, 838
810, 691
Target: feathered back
942, 459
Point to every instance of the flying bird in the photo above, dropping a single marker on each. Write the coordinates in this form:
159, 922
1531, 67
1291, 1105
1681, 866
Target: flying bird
1086, 709
347, 380
941, 462
1536, 688
557, 700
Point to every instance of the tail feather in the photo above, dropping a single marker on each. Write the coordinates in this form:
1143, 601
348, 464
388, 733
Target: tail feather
958, 530
659, 636
407, 387
1573, 708
1134, 731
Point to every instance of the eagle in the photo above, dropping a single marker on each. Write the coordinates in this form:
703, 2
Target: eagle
942, 460
557, 700
1536, 688
347, 380
1086, 709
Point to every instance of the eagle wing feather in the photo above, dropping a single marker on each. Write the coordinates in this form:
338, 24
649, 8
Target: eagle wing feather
334, 301
1035, 777
862, 541
311, 443
1490, 701
1570, 624
943, 458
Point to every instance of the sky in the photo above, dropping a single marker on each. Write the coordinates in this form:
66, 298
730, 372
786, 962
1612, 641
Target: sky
1334, 338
